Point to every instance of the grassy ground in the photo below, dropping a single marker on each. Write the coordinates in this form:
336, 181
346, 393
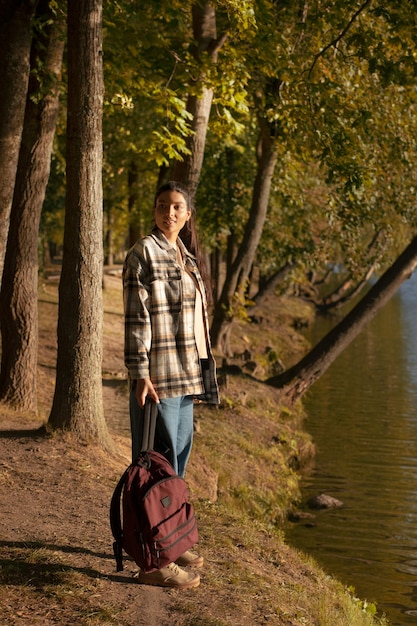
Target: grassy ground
55, 544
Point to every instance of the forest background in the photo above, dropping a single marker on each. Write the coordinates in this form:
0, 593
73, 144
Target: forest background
293, 124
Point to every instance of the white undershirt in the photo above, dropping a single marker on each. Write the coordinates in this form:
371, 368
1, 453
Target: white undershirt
199, 328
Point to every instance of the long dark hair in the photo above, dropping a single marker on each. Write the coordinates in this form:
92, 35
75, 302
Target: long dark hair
188, 233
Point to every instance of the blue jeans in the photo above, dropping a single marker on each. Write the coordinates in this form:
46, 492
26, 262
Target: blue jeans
174, 429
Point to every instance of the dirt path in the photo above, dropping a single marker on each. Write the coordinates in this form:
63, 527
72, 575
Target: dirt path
54, 500
54, 507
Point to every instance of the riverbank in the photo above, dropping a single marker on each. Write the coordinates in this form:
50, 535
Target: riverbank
56, 557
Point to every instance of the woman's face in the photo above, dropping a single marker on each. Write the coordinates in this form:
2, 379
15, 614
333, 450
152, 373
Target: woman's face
171, 213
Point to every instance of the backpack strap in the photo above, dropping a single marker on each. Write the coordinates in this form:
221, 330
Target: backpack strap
116, 523
149, 425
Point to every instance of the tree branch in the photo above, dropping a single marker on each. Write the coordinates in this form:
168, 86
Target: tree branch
339, 37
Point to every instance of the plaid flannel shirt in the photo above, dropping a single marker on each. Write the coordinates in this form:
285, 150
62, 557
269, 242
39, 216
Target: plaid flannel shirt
159, 322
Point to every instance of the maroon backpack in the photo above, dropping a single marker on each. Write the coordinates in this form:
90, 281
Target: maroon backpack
159, 524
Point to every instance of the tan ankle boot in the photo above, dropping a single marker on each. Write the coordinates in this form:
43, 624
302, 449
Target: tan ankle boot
190, 559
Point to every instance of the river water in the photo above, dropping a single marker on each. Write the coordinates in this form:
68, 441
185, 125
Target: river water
363, 419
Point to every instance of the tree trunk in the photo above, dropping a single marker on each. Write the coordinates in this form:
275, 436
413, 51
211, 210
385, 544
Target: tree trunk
135, 223
108, 237
267, 286
237, 274
346, 292
299, 378
78, 401
188, 170
15, 38
215, 262
19, 291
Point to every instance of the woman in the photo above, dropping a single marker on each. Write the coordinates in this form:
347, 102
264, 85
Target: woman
167, 347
